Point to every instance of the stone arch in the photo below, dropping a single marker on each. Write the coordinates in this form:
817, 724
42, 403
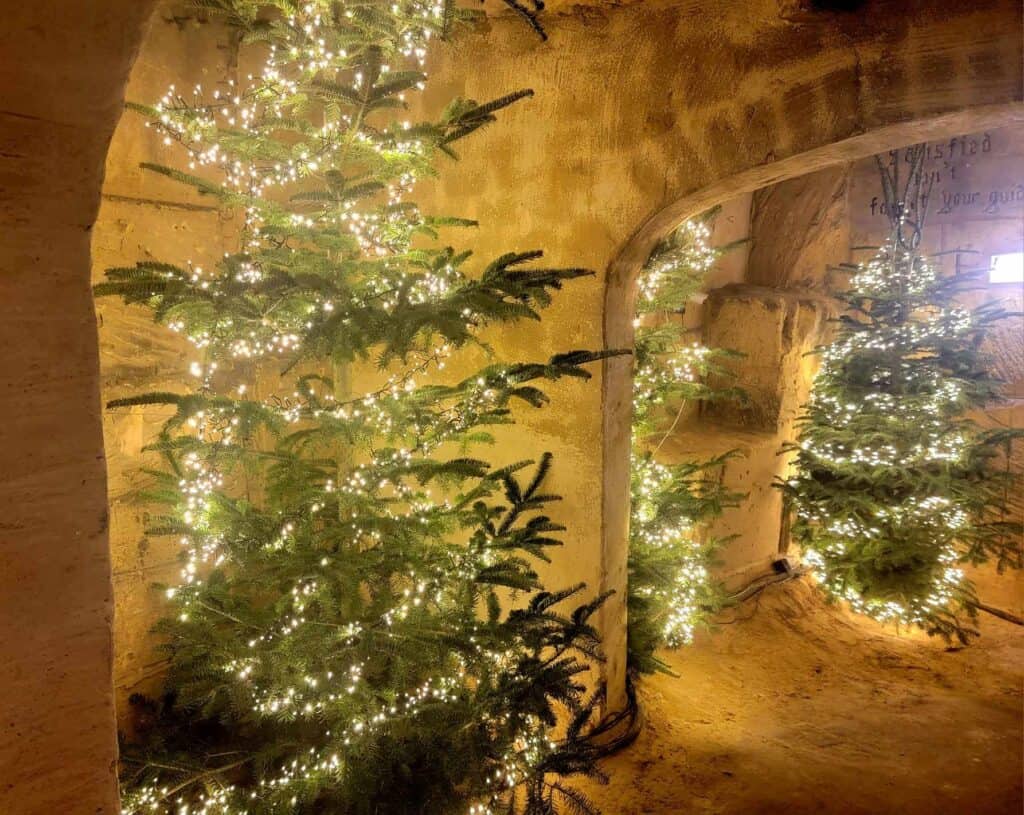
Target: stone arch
66, 66
620, 284
690, 102
645, 113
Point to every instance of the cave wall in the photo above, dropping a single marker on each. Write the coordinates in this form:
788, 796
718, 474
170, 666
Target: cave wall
575, 171
778, 314
644, 114
62, 81
144, 216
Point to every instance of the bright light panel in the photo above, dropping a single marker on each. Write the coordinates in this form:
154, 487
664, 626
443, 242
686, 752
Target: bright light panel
1007, 268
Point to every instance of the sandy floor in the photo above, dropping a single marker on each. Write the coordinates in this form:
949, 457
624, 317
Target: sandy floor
794, 707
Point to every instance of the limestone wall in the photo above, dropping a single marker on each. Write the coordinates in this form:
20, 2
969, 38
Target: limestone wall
689, 96
62, 79
144, 216
645, 113
577, 186
800, 228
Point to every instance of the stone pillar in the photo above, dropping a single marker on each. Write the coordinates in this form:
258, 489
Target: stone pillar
773, 330
799, 228
65, 67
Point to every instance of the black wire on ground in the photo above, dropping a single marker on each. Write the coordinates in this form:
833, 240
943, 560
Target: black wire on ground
617, 730
759, 584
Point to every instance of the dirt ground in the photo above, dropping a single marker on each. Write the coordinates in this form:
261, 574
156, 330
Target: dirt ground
794, 706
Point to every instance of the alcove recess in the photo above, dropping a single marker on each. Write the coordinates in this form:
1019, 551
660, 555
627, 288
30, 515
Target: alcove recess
769, 299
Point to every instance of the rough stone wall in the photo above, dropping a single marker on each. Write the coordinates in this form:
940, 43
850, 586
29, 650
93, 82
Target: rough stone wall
772, 307
62, 79
774, 329
803, 228
646, 114
144, 216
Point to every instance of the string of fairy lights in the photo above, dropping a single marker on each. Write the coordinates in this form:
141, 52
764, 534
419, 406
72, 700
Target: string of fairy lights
903, 419
682, 593
921, 435
665, 363
899, 348
205, 129
210, 128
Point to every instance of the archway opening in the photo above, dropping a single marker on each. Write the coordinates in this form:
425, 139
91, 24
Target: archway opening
774, 303
62, 98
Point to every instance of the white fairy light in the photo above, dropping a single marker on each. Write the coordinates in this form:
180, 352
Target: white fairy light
921, 438
659, 378
374, 236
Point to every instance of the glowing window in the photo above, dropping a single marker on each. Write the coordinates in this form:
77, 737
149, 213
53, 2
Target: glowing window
1007, 268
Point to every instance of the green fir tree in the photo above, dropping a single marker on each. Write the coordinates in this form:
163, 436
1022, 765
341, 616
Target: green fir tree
895, 486
359, 625
671, 590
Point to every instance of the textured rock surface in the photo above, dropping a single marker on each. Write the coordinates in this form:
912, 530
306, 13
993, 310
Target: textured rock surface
62, 80
800, 227
774, 329
644, 114
144, 216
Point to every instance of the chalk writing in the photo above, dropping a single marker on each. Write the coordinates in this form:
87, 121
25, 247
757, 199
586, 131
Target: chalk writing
961, 180
1000, 198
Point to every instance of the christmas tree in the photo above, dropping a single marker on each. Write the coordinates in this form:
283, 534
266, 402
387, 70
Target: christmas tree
895, 485
670, 587
359, 625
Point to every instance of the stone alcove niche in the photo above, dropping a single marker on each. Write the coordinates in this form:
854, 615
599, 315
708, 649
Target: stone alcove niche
144, 216
696, 103
779, 314
770, 300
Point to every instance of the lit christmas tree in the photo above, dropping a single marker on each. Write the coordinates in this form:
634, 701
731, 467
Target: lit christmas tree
342, 639
670, 587
895, 487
